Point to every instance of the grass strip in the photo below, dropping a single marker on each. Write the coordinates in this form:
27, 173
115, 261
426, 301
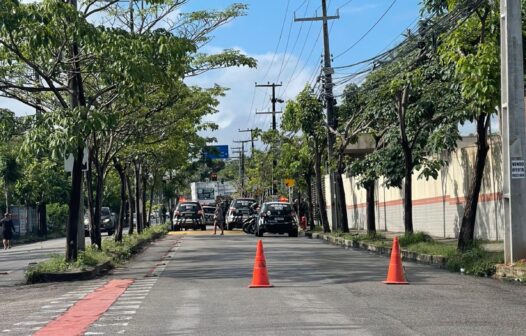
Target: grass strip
112, 251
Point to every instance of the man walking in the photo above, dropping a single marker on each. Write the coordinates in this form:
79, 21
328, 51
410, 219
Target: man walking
8, 229
219, 217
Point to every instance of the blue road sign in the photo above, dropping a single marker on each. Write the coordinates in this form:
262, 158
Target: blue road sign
216, 152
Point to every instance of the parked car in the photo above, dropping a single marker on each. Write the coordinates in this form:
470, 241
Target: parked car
189, 215
277, 217
208, 213
107, 221
240, 209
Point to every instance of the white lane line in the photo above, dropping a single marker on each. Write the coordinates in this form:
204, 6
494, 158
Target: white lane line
120, 312
124, 307
30, 323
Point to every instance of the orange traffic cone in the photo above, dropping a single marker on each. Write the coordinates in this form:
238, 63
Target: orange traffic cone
260, 275
395, 275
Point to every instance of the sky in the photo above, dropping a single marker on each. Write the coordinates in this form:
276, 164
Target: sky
287, 52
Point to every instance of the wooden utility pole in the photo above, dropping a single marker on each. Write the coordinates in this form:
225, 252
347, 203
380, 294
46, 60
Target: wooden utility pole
329, 100
252, 137
513, 131
242, 165
274, 100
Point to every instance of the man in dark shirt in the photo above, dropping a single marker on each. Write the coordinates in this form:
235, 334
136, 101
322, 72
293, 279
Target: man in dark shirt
8, 229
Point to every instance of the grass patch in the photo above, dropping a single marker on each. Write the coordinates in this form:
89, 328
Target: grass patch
414, 238
112, 251
433, 248
476, 261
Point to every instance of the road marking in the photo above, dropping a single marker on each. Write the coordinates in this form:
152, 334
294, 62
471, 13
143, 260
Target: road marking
81, 315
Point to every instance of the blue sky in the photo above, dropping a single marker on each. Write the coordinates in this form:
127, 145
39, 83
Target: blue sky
287, 52
294, 58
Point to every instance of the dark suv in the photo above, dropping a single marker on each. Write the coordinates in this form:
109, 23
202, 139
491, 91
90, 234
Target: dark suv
189, 215
240, 209
277, 217
107, 221
209, 213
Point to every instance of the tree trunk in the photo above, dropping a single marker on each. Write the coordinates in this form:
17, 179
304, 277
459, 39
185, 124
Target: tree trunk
77, 99
42, 218
138, 197
122, 208
310, 212
74, 206
341, 204
371, 219
95, 229
152, 189
319, 190
408, 189
467, 228
131, 204
143, 189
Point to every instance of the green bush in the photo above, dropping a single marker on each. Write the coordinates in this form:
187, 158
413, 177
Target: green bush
476, 261
57, 217
413, 238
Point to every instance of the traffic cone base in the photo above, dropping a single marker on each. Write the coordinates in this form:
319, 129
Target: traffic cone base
395, 274
260, 274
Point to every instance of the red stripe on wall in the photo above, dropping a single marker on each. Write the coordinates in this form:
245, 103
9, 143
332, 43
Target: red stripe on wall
432, 200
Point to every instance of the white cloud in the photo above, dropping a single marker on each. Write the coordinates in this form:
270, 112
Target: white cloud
237, 109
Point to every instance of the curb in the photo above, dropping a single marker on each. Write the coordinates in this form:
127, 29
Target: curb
439, 261
91, 273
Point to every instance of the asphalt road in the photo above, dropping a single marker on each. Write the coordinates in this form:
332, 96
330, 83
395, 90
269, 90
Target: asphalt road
197, 285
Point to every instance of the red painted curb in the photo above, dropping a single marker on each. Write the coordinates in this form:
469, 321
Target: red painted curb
77, 319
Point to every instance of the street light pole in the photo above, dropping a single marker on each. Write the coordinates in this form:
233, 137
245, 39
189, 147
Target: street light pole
513, 131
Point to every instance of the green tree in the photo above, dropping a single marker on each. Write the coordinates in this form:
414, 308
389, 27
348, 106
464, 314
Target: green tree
473, 50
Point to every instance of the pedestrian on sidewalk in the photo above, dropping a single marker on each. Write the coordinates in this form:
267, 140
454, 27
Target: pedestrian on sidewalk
219, 217
8, 229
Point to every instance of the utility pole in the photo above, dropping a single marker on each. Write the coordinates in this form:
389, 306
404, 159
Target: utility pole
252, 137
242, 165
513, 131
329, 99
274, 100
241, 152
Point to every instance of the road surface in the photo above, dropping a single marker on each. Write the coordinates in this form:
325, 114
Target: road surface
197, 285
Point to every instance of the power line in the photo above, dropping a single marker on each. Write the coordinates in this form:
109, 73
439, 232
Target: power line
367, 32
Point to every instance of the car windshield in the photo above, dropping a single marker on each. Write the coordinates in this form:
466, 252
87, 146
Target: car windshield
209, 210
188, 207
278, 209
243, 204
105, 212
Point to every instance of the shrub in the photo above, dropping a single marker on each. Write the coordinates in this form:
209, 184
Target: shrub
476, 261
414, 238
57, 216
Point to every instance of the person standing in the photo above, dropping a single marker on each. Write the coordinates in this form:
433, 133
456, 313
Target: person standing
8, 229
219, 217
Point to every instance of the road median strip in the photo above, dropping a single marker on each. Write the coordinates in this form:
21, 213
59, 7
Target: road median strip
93, 262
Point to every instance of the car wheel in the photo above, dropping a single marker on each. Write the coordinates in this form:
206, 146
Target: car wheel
86, 233
203, 227
110, 232
293, 233
259, 233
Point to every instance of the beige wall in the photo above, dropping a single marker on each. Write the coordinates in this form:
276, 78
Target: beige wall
437, 204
